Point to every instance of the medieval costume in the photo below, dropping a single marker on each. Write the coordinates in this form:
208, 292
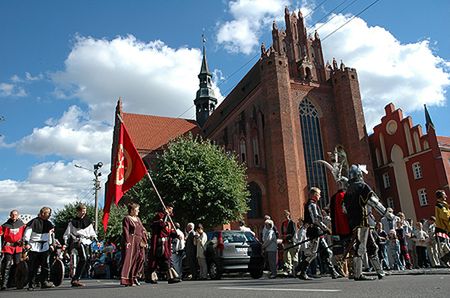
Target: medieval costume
12, 231
316, 231
161, 248
358, 198
39, 235
133, 250
340, 229
78, 236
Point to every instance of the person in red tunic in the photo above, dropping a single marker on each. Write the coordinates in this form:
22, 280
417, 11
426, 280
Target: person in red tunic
133, 247
12, 232
341, 229
161, 246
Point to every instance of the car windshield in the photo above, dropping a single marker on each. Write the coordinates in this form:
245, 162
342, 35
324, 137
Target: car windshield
237, 237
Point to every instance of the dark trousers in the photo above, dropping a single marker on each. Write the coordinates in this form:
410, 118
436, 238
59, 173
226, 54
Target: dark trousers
36, 260
421, 252
82, 251
8, 260
192, 264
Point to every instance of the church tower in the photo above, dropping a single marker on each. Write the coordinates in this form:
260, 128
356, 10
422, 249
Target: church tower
205, 101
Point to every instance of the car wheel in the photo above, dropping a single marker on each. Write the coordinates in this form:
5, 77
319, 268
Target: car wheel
256, 274
214, 271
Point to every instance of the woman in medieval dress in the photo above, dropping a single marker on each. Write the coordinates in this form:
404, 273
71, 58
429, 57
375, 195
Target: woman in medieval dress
133, 247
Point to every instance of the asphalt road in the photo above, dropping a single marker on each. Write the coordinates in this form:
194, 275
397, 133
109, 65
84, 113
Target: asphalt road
392, 286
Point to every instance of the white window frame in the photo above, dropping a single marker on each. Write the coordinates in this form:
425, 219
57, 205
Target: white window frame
417, 170
386, 180
423, 199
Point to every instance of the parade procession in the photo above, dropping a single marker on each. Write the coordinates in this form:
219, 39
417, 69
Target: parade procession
342, 237
240, 148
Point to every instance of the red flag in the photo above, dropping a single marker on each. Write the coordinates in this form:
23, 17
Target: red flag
127, 170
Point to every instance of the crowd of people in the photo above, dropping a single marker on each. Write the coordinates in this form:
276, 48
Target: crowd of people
342, 240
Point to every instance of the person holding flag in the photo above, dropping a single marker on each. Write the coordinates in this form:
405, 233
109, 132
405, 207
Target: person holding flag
127, 169
163, 231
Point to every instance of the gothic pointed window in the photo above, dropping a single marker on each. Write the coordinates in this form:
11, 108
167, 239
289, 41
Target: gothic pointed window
312, 148
255, 151
255, 208
243, 150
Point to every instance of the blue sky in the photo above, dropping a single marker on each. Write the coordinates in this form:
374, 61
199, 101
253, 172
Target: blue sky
64, 64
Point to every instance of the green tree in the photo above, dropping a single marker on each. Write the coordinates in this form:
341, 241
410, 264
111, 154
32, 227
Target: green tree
204, 183
114, 232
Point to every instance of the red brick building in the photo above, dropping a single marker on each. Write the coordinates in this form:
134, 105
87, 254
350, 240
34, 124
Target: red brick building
289, 110
409, 165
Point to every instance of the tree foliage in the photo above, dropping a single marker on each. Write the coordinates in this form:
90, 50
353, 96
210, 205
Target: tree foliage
205, 184
114, 232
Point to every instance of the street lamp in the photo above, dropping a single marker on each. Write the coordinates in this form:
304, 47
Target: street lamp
97, 187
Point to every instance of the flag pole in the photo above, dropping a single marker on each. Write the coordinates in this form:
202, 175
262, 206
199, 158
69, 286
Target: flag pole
153, 185
160, 199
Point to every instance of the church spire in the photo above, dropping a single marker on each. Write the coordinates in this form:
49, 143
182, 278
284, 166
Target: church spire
204, 69
428, 122
205, 101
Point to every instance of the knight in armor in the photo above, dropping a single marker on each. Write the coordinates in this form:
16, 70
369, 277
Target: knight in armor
12, 233
38, 239
358, 198
78, 236
160, 252
316, 232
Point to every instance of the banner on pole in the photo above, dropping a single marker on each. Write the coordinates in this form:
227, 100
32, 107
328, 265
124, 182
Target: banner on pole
128, 169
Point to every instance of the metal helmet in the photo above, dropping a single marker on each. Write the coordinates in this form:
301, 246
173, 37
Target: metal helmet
356, 172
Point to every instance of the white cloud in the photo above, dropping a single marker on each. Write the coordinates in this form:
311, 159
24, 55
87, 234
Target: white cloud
30, 77
3, 144
152, 78
252, 19
52, 184
71, 136
13, 90
16, 79
241, 34
409, 75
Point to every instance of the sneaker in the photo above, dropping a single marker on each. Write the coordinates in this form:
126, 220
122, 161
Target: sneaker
364, 278
47, 285
30, 288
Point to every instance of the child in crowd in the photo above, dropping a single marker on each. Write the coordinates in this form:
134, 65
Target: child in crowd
420, 237
404, 254
394, 250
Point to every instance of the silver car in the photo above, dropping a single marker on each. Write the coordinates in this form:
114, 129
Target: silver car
233, 251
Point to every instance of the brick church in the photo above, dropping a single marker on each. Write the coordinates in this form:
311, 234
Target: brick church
289, 110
